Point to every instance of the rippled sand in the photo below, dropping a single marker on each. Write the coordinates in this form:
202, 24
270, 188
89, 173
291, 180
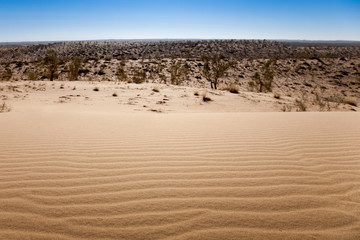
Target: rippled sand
87, 175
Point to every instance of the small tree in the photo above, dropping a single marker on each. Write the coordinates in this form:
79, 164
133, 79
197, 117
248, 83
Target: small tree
51, 61
214, 68
74, 67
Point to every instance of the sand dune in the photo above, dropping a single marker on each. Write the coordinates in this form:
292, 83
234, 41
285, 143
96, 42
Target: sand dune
87, 175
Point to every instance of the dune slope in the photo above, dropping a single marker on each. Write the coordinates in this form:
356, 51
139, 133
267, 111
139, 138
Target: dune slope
85, 175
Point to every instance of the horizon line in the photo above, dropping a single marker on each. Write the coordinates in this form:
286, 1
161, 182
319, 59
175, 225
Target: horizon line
172, 39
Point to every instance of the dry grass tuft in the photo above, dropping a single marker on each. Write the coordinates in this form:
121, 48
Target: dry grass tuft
4, 107
205, 98
301, 105
232, 88
277, 95
351, 101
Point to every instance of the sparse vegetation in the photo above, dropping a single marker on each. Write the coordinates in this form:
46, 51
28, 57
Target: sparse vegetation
156, 89
188, 49
114, 94
96, 89
325, 78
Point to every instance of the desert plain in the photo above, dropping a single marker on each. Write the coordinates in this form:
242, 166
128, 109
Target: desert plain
104, 156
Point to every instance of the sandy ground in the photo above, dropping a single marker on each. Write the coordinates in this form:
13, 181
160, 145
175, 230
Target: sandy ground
88, 167
29, 96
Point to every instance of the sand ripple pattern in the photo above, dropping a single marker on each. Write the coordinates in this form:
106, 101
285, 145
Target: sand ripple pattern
180, 176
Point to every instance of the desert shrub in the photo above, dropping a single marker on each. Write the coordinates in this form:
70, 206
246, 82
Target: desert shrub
139, 75
156, 89
301, 105
337, 99
286, 108
251, 86
262, 82
101, 72
155, 71
162, 78
84, 71
178, 73
32, 75
320, 100
351, 101
74, 67
19, 64
121, 73
96, 89
4, 107
196, 93
6, 76
114, 94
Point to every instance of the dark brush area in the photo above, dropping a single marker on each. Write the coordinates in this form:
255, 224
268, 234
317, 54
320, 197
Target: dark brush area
180, 49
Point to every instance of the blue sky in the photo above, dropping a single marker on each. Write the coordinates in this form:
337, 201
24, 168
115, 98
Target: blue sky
46, 20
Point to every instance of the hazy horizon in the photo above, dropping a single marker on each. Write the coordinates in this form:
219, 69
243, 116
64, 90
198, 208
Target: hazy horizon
180, 39
40, 20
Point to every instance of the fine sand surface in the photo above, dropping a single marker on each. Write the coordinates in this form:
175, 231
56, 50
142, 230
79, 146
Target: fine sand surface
70, 171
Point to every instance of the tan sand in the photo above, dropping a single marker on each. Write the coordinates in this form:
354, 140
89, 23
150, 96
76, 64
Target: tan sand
73, 171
